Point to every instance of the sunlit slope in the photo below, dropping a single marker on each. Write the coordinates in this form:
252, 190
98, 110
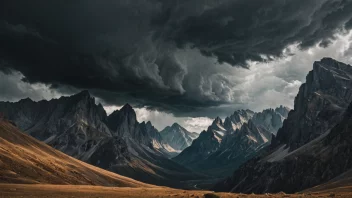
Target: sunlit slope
24, 159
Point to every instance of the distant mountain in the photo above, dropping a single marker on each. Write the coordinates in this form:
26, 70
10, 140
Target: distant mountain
78, 127
271, 119
25, 160
207, 143
315, 142
178, 137
224, 146
123, 123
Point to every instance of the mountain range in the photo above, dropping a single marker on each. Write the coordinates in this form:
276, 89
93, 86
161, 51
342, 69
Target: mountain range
80, 128
224, 146
314, 144
270, 151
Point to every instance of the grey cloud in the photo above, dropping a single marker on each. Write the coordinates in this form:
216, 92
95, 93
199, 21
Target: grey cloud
13, 89
167, 55
256, 27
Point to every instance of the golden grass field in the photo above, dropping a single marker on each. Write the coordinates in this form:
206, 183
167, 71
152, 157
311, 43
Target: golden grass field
86, 191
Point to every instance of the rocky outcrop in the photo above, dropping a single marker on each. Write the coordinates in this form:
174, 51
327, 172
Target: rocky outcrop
314, 144
177, 137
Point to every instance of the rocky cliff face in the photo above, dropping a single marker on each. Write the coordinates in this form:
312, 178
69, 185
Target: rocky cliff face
224, 146
177, 137
314, 144
118, 142
70, 124
318, 105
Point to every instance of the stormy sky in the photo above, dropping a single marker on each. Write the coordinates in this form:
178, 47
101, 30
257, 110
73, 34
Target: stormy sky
174, 60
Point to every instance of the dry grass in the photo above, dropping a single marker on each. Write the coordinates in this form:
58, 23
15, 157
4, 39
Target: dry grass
23, 159
74, 191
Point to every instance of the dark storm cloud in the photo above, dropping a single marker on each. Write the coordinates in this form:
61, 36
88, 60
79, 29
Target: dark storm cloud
243, 30
132, 51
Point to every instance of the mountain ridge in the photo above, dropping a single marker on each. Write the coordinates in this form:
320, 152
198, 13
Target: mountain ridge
177, 137
82, 129
313, 146
225, 145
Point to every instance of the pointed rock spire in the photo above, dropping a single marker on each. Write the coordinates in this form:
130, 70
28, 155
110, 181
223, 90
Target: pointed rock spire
127, 107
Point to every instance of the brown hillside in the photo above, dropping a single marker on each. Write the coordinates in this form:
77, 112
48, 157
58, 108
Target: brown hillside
24, 159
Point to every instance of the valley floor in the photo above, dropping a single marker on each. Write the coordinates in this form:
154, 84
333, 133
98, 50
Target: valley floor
86, 191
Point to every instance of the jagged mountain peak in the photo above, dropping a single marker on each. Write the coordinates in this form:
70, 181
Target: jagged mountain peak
283, 110
123, 122
149, 124
217, 120
24, 100
237, 119
217, 125
127, 107
177, 136
270, 119
126, 112
255, 133
175, 125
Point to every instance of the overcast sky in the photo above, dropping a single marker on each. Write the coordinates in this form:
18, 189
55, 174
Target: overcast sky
184, 61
